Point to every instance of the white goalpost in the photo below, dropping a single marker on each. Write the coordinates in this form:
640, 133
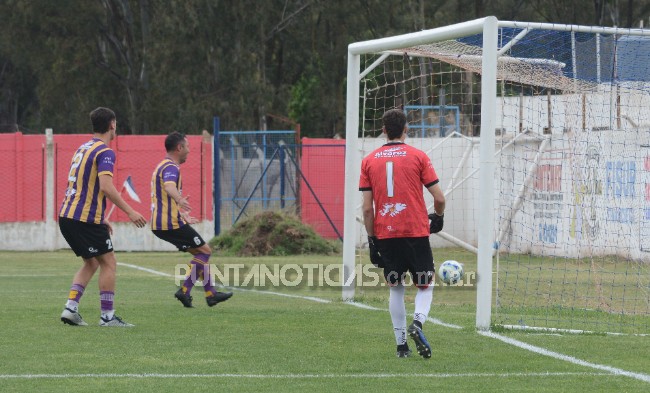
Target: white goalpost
540, 134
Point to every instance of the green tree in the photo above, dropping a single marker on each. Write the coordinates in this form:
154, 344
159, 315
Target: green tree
173, 64
123, 44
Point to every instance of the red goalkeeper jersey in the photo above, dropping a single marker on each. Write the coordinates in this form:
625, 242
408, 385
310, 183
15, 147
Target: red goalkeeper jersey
395, 173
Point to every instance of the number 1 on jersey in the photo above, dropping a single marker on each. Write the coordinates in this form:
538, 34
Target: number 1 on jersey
389, 179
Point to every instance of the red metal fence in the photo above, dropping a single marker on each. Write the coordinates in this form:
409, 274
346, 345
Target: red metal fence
22, 158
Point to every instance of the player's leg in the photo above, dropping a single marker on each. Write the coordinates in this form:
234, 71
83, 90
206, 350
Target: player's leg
397, 311
201, 256
70, 314
422, 270
423, 274
79, 237
187, 239
423, 299
182, 239
107, 272
80, 282
394, 273
195, 273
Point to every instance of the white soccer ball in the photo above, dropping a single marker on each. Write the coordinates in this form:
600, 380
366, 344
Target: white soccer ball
450, 272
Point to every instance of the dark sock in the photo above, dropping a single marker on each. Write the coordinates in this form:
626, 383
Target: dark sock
196, 273
207, 276
403, 347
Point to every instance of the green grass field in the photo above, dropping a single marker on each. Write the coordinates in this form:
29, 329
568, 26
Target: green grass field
600, 294
258, 341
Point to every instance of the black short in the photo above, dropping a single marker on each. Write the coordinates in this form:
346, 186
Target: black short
86, 240
407, 254
183, 238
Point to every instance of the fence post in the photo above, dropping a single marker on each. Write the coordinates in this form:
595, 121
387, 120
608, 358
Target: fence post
50, 197
19, 149
216, 176
282, 170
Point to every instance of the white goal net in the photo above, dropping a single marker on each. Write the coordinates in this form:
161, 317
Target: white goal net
540, 135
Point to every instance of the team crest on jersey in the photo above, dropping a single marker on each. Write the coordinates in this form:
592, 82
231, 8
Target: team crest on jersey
392, 209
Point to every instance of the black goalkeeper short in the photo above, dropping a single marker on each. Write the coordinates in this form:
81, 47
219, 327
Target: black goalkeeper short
183, 238
406, 255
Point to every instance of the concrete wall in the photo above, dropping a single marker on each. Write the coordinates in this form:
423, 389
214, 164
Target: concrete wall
45, 236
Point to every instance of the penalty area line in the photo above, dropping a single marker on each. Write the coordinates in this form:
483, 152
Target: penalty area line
297, 376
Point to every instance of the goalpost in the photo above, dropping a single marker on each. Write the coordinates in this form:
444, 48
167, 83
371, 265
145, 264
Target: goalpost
540, 134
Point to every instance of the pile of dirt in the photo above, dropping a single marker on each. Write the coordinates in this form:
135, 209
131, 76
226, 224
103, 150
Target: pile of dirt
272, 233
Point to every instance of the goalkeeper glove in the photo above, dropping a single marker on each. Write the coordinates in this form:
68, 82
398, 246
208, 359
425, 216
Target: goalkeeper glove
436, 223
375, 255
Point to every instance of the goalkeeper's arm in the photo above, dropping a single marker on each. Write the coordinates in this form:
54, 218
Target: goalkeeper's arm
369, 222
437, 218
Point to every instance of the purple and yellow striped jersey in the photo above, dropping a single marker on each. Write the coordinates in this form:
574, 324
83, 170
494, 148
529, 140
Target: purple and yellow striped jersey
165, 214
84, 201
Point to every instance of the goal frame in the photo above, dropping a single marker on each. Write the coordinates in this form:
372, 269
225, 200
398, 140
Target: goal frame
486, 231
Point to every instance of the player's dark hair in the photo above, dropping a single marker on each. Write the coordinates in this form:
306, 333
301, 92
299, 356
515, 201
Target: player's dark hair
101, 119
394, 121
174, 139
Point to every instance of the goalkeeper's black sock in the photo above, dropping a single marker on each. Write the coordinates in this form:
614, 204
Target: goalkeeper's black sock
418, 324
403, 347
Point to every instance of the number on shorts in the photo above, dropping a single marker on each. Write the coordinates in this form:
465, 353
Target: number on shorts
389, 179
109, 244
197, 240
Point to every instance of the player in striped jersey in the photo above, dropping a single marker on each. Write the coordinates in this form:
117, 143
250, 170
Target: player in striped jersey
170, 221
395, 217
82, 222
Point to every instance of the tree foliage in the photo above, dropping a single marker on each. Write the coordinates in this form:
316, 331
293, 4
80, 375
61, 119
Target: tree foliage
174, 64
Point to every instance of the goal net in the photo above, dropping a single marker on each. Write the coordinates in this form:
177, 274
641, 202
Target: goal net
540, 135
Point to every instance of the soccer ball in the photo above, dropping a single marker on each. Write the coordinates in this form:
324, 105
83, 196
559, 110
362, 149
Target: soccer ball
450, 272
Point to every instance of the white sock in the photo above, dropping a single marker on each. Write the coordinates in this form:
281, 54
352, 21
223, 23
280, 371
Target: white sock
108, 315
72, 305
423, 299
398, 313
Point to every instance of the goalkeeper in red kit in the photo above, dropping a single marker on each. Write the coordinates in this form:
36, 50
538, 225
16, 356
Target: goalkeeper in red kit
397, 222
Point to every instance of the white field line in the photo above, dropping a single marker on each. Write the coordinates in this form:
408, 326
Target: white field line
507, 340
435, 321
297, 376
572, 331
566, 358
144, 269
33, 275
311, 298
